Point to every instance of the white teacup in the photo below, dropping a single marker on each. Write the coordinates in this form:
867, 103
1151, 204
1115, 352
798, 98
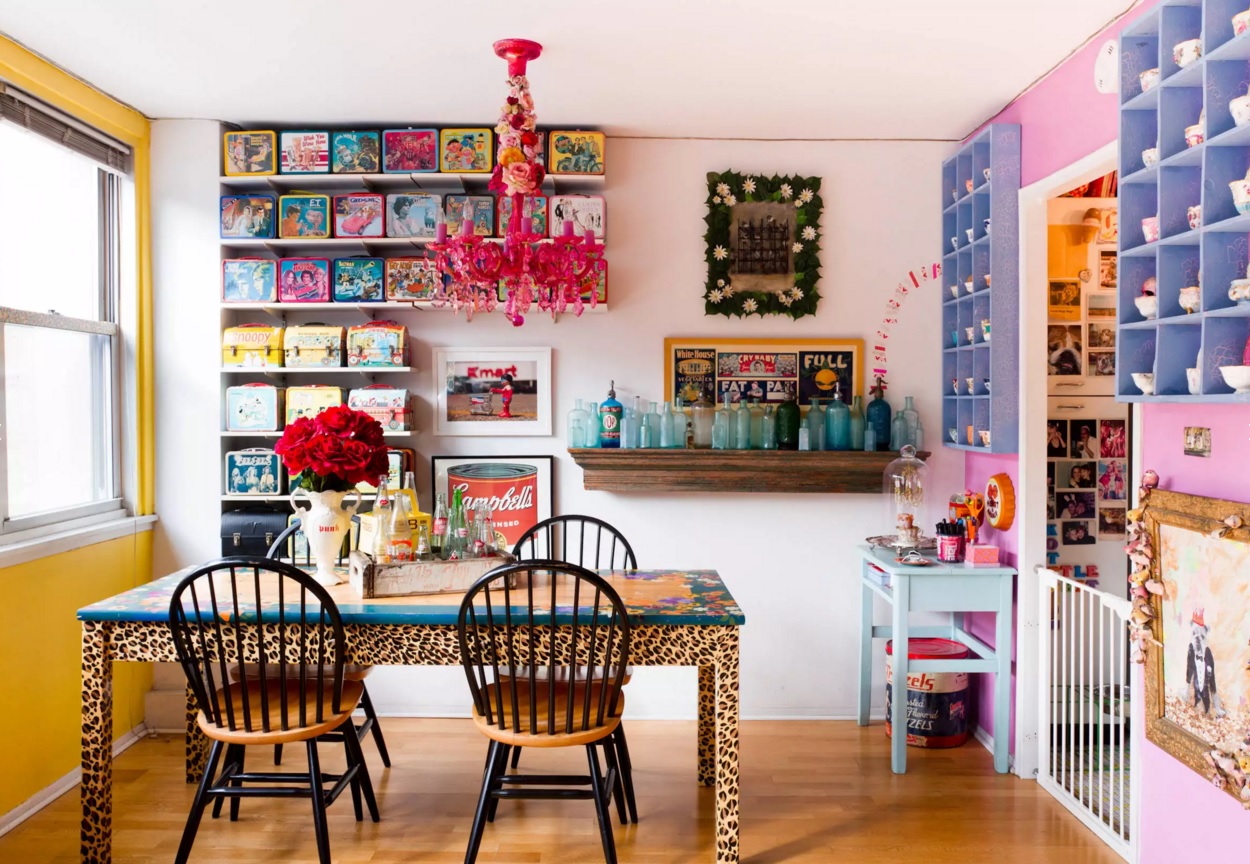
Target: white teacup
1145, 382
1148, 306
1194, 378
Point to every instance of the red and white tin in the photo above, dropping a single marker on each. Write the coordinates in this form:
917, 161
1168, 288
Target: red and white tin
937, 702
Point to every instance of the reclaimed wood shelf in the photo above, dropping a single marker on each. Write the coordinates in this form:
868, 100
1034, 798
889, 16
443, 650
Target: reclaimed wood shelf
845, 471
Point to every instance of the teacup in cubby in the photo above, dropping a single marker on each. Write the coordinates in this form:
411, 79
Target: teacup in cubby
1150, 156
954, 338
1241, 195
985, 382
987, 280
955, 385
954, 290
972, 385
1240, 109
1150, 228
1187, 52
1239, 289
1191, 298
1195, 135
970, 232
1241, 22
1145, 382
986, 225
1149, 79
954, 434
968, 185
968, 284
954, 194
1237, 377
1193, 377
984, 435
954, 242
985, 329
1194, 214
1147, 305
986, 174
969, 331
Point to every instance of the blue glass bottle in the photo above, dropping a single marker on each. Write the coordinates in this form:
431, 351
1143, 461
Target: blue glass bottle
610, 411
653, 420
742, 425
815, 421
839, 423
857, 423
878, 414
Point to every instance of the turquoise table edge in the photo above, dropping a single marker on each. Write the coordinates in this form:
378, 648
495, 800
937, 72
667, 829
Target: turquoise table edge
698, 598
884, 558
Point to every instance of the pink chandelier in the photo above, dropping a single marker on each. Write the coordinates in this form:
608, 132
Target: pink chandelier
525, 269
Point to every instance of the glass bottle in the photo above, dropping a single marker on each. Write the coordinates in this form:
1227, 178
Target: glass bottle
610, 420
857, 423
912, 416
681, 424
898, 432
592, 427
768, 428
666, 427
646, 433
486, 531
701, 414
788, 424
476, 547
757, 425
421, 546
629, 426
653, 420
400, 542
870, 439
439, 535
457, 531
722, 428
815, 423
381, 550
839, 422
578, 419
742, 425
878, 414
917, 438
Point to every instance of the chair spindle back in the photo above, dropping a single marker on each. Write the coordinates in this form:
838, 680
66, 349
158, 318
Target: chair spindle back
582, 540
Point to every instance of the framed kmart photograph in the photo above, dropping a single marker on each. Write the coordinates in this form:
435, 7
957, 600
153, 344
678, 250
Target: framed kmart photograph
492, 391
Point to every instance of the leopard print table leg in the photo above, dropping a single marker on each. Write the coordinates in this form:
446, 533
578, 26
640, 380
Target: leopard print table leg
707, 725
196, 741
97, 743
727, 747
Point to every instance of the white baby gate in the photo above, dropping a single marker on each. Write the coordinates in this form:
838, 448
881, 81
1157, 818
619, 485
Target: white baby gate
1084, 708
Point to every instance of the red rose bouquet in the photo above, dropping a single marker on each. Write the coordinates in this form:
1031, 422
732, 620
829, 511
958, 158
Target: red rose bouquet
333, 451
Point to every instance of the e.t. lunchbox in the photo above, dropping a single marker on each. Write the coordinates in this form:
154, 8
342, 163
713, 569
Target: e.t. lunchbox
355, 153
358, 280
388, 405
310, 400
253, 408
304, 280
249, 280
313, 345
247, 217
249, 153
303, 214
378, 343
409, 151
251, 345
359, 215
255, 471
304, 151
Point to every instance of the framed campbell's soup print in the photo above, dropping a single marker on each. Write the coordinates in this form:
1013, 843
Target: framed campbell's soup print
518, 489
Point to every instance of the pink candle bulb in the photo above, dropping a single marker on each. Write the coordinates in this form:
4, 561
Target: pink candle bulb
440, 232
568, 227
589, 237
466, 227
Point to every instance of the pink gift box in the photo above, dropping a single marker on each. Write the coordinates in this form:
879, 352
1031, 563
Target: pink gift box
982, 553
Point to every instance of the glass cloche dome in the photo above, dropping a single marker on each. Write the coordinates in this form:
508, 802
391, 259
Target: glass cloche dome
903, 486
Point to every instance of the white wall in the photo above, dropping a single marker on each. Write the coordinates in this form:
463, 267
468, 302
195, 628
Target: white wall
787, 558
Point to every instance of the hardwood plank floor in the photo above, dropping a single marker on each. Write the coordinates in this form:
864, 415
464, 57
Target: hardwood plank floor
812, 792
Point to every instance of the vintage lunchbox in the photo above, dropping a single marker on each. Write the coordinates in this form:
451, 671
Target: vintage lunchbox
538, 215
465, 151
249, 280
250, 153
601, 291
247, 217
359, 215
584, 211
303, 214
576, 152
252, 345
254, 408
313, 345
412, 214
310, 400
411, 279
255, 471
409, 151
378, 343
481, 207
250, 530
304, 151
388, 405
304, 280
359, 280
355, 152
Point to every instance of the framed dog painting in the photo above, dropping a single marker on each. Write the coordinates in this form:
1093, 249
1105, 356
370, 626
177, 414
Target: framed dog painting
1198, 670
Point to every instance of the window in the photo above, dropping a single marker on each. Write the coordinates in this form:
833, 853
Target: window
61, 343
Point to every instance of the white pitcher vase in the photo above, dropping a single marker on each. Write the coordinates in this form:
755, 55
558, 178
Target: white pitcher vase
324, 524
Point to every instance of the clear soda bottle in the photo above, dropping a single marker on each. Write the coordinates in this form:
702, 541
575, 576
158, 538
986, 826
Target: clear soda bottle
438, 536
381, 550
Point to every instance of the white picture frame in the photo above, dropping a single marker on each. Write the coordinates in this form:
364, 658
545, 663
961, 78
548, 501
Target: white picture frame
470, 397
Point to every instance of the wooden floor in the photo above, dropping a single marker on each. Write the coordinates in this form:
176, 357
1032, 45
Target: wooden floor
812, 792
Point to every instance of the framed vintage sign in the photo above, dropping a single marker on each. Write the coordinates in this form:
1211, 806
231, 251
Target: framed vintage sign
492, 391
764, 369
518, 489
1198, 669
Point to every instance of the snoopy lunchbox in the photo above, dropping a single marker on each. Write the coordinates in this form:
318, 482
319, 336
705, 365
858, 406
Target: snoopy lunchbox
313, 345
252, 345
378, 343
310, 400
255, 471
253, 408
388, 405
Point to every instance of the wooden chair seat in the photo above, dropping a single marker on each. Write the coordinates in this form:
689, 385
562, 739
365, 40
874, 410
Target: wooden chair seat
351, 672
537, 735
277, 735
562, 674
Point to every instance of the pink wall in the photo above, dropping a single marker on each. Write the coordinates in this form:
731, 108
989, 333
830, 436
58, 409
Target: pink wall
1064, 119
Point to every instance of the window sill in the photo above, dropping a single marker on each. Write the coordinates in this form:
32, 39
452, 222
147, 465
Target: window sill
23, 551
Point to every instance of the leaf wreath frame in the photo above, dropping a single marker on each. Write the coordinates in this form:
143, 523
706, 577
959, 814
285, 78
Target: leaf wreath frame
720, 296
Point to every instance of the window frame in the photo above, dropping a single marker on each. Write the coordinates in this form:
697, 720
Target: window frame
107, 377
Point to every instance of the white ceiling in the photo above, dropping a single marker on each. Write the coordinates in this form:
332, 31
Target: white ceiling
670, 68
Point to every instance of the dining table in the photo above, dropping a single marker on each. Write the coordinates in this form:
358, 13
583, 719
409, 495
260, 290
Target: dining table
677, 618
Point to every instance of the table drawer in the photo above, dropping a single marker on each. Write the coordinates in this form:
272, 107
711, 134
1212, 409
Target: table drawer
942, 593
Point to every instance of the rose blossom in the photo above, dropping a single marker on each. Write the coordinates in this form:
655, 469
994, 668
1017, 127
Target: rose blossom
523, 177
292, 446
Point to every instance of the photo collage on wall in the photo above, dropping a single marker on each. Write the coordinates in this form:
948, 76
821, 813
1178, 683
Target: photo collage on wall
1081, 333
1086, 479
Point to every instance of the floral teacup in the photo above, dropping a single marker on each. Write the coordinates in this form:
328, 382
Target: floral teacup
1195, 216
970, 331
984, 434
971, 385
954, 433
1190, 298
986, 172
986, 226
1149, 79
968, 185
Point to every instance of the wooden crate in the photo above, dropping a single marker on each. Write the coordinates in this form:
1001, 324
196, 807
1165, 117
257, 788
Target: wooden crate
370, 580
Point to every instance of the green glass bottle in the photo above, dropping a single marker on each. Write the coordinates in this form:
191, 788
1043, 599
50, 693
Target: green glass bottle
788, 424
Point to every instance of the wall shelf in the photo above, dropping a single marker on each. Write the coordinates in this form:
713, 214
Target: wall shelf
993, 253
841, 471
432, 181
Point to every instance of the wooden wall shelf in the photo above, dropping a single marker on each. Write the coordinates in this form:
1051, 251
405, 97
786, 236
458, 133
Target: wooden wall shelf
732, 470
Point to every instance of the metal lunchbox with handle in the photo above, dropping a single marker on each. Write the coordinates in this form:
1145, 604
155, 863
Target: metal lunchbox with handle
250, 530
252, 345
254, 471
313, 345
388, 405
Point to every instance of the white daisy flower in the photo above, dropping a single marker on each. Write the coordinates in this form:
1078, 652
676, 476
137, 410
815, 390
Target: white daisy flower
786, 191
785, 299
797, 247
730, 290
748, 185
809, 233
722, 189
716, 200
720, 253
796, 292
806, 196
731, 200
750, 305
715, 296
720, 283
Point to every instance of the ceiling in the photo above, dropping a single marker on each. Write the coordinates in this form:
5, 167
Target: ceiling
666, 68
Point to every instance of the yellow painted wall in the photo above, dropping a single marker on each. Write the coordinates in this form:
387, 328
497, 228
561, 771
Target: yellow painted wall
41, 659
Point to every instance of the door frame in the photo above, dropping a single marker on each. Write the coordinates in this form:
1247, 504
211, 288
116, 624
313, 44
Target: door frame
1031, 488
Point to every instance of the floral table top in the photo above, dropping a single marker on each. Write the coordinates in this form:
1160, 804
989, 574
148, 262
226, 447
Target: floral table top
653, 597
